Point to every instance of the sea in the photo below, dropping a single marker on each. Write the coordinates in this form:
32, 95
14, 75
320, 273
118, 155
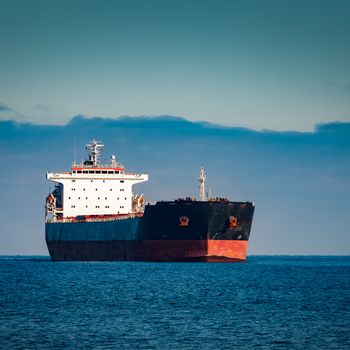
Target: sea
269, 302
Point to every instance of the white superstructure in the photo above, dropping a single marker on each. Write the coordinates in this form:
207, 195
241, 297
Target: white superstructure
94, 189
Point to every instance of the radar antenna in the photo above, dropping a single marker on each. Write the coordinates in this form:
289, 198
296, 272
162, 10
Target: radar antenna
202, 177
94, 148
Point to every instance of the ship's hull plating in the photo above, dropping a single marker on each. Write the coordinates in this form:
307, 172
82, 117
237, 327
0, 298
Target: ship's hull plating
168, 231
161, 250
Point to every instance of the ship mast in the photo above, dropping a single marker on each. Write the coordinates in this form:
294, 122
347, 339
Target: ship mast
202, 177
94, 148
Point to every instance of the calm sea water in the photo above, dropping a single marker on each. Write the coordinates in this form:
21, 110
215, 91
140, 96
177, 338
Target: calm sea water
266, 303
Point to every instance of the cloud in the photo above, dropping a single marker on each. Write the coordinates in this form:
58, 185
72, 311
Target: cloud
335, 128
338, 85
42, 108
4, 108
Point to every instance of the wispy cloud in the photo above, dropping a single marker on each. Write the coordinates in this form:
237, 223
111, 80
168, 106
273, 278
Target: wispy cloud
4, 108
43, 108
338, 85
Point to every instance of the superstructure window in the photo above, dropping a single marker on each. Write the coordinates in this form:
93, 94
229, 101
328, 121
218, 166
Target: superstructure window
117, 172
121, 207
110, 172
122, 189
73, 180
98, 171
79, 172
97, 206
104, 172
110, 189
91, 172
85, 171
106, 206
72, 206
92, 180
121, 181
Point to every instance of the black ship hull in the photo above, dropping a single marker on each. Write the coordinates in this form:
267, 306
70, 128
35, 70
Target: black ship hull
168, 231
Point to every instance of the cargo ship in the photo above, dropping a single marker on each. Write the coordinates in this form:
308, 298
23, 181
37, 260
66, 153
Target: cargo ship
93, 215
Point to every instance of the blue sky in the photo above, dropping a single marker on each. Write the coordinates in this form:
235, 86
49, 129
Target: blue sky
273, 64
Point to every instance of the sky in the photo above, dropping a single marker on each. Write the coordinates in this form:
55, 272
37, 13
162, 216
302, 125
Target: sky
281, 65
257, 90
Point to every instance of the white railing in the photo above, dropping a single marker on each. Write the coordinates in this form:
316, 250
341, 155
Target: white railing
111, 218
